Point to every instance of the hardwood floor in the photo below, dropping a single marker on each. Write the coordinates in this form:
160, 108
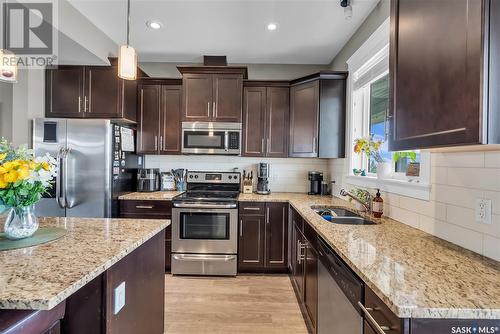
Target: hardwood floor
243, 304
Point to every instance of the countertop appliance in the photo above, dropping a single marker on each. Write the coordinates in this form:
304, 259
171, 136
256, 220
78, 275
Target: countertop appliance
205, 225
339, 291
211, 138
148, 180
315, 179
263, 173
96, 165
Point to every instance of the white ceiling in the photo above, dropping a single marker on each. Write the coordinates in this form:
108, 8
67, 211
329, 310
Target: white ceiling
309, 31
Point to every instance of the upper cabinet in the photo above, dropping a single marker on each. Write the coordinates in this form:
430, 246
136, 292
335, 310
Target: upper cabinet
159, 117
212, 93
317, 115
444, 77
266, 108
89, 92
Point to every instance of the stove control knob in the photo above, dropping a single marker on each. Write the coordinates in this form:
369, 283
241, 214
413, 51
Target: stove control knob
190, 176
230, 177
196, 176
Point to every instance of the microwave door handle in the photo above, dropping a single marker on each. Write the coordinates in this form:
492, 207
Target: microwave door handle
226, 141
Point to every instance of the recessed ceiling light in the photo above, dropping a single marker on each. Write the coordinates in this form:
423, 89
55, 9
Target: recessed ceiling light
272, 26
154, 25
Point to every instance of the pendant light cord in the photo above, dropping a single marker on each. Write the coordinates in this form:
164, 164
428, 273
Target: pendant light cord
4, 27
128, 22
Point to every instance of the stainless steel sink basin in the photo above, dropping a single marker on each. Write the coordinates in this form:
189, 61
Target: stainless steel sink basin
341, 216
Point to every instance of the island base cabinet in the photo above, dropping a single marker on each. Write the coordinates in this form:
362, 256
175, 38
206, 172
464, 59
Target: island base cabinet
32, 322
91, 309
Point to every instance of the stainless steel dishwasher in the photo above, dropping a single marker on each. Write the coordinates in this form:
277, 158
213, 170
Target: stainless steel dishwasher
339, 291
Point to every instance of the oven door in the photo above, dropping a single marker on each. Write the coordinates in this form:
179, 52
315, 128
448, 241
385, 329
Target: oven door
204, 230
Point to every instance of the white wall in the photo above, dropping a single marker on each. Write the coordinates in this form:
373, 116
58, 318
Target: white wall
287, 175
255, 71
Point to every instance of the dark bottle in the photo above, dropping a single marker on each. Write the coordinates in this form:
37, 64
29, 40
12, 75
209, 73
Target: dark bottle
378, 205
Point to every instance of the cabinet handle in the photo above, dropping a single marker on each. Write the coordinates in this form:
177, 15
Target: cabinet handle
161, 143
208, 109
379, 329
300, 247
79, 104
267, 216
314, 144
214, 110
262, 145
156, 143
268, 145
253, 209
85, 109
241, 227
144, 206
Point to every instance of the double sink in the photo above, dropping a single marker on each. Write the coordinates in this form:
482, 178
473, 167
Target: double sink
338, 215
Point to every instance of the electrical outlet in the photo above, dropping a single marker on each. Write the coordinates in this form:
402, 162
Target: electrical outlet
119, 298
483, 211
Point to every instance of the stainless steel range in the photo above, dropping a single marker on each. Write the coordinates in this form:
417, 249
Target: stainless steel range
205, 225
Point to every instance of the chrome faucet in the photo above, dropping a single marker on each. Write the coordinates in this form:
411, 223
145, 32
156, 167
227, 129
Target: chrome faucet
367, 206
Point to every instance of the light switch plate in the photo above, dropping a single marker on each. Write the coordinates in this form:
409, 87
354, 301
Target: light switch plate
483, 211
119, 298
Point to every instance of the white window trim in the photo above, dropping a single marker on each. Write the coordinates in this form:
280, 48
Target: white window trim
373, 50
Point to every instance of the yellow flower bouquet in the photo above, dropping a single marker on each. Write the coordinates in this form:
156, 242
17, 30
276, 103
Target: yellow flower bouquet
24, 178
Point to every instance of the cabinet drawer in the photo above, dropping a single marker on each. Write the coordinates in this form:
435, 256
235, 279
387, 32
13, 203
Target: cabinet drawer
161, 209
381, 313
252, 208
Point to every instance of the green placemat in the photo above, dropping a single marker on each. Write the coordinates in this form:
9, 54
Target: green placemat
42, 235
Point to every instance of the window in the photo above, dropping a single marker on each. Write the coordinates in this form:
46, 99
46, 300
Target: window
368, 106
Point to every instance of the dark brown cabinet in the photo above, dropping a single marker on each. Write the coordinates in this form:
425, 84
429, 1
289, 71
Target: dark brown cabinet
159, 118
212, 93
304, 268
89, 92
318, 115
266, 120
262, 244
150, 209
444, 77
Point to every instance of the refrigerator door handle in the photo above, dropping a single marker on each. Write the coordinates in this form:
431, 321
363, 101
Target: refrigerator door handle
65, 179
59, 177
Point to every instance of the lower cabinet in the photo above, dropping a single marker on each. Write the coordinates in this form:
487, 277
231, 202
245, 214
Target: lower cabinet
304, 269
263, 234
150, 209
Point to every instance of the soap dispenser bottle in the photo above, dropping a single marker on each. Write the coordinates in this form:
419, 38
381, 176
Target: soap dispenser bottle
378, 205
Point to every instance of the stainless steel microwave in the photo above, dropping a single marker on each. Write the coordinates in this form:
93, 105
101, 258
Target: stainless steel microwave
211, 138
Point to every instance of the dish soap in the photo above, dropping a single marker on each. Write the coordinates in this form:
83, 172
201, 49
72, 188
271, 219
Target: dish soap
378, 205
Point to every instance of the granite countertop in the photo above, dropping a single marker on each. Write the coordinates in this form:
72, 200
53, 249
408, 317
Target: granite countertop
151, 196
416, 274
40, 277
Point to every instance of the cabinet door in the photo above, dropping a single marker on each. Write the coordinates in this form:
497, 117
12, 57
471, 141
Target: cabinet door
435, 73
277, 121
311, 284
128, 99
197, 92
276, 236
102, 92
251, 243
304, 111
170, 118
254, 117
298, 265
227, 97
149, 119
64, 95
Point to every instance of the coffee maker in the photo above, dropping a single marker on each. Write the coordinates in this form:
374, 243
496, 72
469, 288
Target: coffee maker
148, 180
262, 179
315, 178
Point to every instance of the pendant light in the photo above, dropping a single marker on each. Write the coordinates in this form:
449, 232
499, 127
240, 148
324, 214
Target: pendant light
8, 60
127, 57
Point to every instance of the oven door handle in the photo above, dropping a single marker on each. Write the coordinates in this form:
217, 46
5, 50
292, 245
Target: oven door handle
205, 206
223, 258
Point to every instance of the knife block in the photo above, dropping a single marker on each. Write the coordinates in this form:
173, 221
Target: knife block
247, 187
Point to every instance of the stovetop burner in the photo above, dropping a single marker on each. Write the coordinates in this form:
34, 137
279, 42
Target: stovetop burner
211, 187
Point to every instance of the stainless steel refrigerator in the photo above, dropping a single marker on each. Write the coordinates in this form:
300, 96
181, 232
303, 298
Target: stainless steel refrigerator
96, 162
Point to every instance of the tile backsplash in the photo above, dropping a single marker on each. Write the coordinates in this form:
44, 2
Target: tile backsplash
458, 179
287, 175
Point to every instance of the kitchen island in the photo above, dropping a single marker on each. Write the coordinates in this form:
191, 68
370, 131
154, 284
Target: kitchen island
83, 273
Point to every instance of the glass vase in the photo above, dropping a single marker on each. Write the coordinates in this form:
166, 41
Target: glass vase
21, 223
